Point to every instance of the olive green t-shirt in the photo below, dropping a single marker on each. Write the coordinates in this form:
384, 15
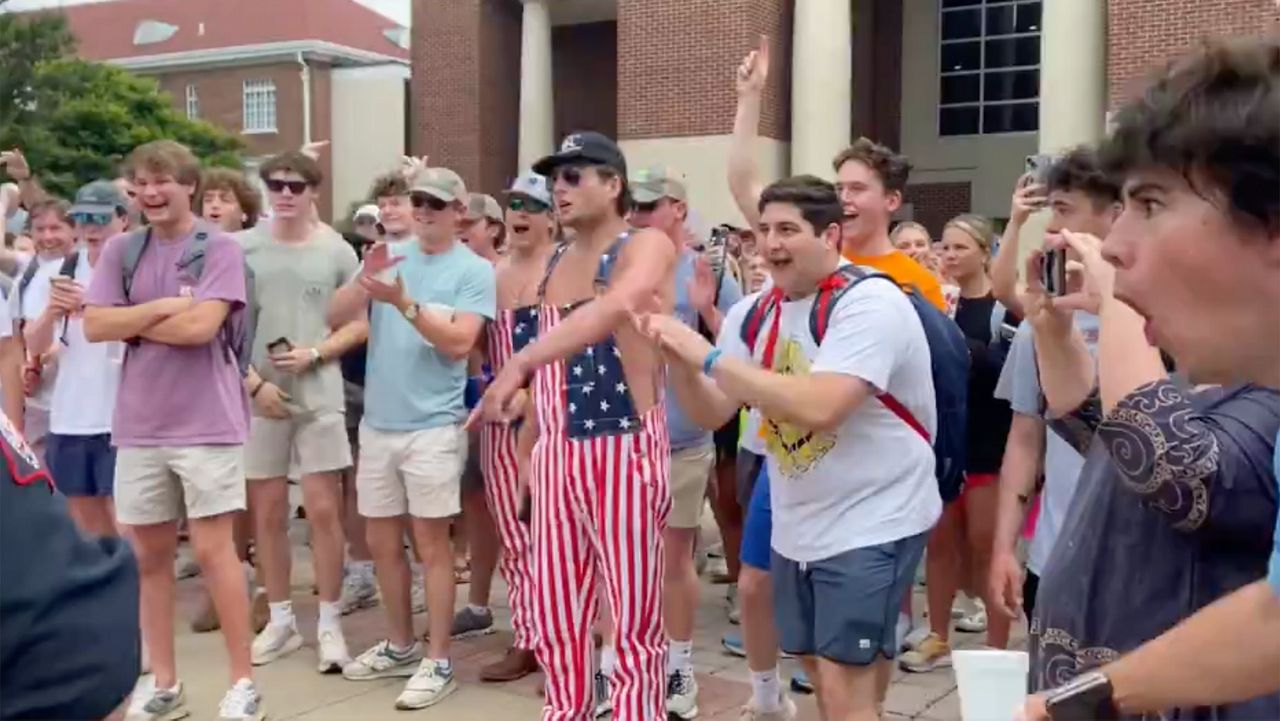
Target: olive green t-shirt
292, 286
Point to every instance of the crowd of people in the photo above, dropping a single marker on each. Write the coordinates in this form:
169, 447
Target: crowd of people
555, 385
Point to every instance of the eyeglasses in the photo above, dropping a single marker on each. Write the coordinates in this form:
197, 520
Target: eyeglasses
430, 201
519, 204
296, 187
92, 218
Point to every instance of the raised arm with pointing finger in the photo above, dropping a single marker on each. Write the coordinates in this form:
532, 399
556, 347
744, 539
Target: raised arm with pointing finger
744, 175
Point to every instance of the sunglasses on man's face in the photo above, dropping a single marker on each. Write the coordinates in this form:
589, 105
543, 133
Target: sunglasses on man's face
421, 200
570, 174
526, 205
92, 218
296, 187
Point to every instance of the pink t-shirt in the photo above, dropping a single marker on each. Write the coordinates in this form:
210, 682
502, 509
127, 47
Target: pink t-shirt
177, 395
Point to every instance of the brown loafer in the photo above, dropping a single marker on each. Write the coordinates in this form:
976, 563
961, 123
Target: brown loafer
517, 664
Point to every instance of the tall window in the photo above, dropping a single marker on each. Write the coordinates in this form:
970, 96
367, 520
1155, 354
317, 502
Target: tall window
193, 103
990, 67
259, 106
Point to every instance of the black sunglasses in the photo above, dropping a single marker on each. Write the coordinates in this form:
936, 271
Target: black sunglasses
646, 207
296, 187
571, 174
526, 205
422, 199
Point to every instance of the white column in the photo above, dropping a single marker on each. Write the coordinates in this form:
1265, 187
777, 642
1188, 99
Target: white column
537, 119
821, 84
1073, 73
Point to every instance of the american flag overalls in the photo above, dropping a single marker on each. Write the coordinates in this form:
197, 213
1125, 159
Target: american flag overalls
600, 486
509, 332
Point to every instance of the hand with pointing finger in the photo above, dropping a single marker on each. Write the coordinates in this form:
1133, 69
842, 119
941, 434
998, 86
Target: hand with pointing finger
754, 70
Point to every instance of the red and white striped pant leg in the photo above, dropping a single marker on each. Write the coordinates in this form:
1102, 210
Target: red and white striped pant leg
502, 491
563, 596
631, 504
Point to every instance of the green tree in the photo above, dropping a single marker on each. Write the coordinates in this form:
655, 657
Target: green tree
76, 120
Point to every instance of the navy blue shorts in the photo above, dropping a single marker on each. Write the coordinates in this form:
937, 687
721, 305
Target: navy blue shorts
757, 526
82, 466
845, 608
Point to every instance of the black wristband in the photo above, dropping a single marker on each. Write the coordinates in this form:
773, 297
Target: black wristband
254, 393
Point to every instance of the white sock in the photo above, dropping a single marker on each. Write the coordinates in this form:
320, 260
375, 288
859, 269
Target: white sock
679, 656
766, 691
329, 615
281, 613
608, 660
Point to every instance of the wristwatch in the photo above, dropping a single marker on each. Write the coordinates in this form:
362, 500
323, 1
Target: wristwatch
411, 312
1087, 697
316, 357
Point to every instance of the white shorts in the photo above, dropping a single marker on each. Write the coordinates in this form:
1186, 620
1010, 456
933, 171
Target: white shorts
152, 484
296, 447
414, 472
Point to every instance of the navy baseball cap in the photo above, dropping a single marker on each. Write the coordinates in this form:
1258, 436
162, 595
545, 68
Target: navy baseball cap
584, 147
99, 197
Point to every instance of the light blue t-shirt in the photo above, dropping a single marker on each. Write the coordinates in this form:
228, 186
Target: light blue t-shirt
408, 385
684, 433
1273, 574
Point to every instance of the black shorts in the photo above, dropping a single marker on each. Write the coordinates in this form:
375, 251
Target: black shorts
726, 441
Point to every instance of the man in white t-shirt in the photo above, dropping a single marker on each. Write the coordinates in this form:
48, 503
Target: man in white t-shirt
78, 448
852, 485
54, 237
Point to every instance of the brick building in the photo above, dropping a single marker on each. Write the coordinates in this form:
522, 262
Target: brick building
967, 88
278, 73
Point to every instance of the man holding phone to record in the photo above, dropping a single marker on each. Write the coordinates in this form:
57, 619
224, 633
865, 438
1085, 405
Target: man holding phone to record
297, 394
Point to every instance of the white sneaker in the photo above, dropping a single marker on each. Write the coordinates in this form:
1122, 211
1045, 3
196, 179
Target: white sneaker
242, 703
786, 712
275, 642
682, 695
382, 661
975, 622
152, 704
427, 687
358, 591
333, 651
417, 593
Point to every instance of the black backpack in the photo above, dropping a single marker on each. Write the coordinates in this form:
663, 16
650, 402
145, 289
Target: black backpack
949, 361
239, 345
67, 270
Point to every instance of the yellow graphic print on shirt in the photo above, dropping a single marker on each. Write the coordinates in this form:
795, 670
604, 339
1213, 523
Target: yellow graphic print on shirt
797, 450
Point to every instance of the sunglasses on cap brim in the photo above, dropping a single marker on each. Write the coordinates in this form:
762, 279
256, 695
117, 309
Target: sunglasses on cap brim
92, 218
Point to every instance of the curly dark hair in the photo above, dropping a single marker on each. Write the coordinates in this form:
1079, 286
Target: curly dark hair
892, 168
816, 199
389, 185
234, 181
1080, 170
1213, 116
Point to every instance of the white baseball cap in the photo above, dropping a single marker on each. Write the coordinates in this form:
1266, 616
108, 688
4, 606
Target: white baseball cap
368, 210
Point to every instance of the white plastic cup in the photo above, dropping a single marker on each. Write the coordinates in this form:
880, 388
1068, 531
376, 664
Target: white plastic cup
993, 684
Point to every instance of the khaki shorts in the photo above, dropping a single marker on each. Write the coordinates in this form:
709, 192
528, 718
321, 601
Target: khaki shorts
296, 447
414, 472
690, 471
152, 484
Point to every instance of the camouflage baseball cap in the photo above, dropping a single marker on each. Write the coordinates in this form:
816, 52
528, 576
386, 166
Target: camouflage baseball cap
651, 184
440, 183
484, 206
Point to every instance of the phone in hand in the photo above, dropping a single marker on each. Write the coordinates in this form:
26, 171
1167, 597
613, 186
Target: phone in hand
1053, 272
1037, 166
280, 345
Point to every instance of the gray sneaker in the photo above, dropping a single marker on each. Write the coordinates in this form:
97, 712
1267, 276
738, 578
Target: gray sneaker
158, 704
358, 591
469, 623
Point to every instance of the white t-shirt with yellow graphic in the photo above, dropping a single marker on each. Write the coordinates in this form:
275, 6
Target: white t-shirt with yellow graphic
872, 480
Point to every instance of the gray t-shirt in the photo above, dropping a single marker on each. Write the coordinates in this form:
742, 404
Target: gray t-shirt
292, 286
1020, 385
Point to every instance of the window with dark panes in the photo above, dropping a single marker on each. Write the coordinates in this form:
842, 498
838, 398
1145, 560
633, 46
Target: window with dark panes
989, 67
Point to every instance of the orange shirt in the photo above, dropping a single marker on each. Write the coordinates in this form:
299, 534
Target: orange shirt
907, 272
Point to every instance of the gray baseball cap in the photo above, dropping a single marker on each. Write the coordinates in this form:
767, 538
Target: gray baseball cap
484, 206
440, 183
651, 184
99, 196
533, 186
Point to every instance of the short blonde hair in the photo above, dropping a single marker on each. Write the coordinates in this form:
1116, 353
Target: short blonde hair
977, 227
909, 225
164, 156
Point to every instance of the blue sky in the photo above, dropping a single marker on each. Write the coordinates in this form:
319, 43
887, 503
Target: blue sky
397, 10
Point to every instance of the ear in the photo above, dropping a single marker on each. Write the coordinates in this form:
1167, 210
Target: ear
894, 200
831, 235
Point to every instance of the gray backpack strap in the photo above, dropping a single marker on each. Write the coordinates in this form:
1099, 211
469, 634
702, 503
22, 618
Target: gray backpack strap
135, 245
193, 257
